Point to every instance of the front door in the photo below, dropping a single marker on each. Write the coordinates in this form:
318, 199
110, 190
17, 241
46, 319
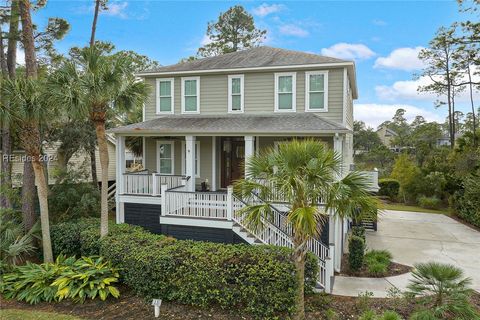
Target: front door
233, 154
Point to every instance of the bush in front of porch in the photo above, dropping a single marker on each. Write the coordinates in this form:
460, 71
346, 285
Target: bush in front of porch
259, 280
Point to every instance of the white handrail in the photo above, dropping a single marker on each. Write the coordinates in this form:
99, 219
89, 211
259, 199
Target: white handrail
143, 183
211, 205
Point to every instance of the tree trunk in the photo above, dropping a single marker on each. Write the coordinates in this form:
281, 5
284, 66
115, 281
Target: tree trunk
472, 104
299, 260
31, 133
43, 199
28, 195
93, 166
103, 153
12, 40
5, 172
94, 23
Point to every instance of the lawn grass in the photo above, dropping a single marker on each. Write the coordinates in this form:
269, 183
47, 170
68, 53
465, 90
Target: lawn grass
16, 314
404, 207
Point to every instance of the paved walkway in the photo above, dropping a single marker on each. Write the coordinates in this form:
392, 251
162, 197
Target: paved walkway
414, 237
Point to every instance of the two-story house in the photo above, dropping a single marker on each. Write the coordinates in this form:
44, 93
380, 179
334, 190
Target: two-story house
203, 118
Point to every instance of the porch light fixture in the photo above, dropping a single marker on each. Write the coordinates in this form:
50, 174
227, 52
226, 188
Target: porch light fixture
157, 303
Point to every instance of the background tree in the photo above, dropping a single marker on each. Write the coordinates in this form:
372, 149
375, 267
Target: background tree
364, 139
234, 30
303, 172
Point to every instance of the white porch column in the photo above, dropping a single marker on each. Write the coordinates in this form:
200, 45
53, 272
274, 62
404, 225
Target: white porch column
190, 162
249, 150
121, 168
213, 183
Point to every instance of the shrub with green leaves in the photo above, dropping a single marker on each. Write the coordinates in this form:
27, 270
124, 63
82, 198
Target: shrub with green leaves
66, 278
359, 231
389, 188
429, 202
356, 251
377, 262
467, 201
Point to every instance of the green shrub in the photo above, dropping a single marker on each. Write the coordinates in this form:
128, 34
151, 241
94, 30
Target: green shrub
368, 315
423, 315
359, 231
67, 278
429, 202
377, 269
71, 197
389, 188
256, 279
467, 201
390, 315
364, 300
377, 262
356, 251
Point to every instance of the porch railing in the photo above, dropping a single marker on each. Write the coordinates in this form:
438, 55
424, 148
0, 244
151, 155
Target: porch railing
144, 183
211, 205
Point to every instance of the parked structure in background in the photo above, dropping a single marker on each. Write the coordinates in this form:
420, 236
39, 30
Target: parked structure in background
205, 117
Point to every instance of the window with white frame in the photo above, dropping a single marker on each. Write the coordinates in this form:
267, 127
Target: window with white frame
165, 156
285, 92
316, 91
165, 95
191, 95
197, 158
235, 93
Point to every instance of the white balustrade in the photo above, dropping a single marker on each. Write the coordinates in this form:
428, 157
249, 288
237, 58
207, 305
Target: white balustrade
143, 183
211, 205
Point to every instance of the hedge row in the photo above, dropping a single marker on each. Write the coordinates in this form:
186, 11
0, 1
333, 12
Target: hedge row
259, 280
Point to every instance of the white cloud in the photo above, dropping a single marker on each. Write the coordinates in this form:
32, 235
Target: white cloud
379, 22
20, 56
293, 30
407, 90
266, 9
348, 51
402, 58
116, 9
205, 40
374, 114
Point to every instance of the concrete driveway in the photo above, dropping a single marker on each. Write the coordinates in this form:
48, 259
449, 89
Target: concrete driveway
414, 237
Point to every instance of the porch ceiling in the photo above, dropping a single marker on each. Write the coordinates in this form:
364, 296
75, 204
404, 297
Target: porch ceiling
291, 123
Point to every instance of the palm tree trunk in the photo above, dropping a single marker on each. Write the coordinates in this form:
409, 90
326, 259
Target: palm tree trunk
93, 166
32, 146
299, 260
103, 153
28, 195
43, 199
5, 172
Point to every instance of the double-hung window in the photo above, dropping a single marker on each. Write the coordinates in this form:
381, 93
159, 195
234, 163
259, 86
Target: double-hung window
165, 95
191, 95
165, 156
197, 160
285, 92
316, 91
235, 93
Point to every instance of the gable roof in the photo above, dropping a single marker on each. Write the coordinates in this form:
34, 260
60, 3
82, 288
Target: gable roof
255, 59
238, 124
249, 58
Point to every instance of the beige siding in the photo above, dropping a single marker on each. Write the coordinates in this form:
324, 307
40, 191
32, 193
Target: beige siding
259, 94
349, 107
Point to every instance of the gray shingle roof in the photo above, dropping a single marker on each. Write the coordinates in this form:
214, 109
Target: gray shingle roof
292, 123
250, 58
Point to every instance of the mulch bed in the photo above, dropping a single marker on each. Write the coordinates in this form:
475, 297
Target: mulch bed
129, 306
394, 269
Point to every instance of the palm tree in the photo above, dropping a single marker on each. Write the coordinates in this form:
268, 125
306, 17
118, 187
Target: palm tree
90, 86
303, 172
26, 111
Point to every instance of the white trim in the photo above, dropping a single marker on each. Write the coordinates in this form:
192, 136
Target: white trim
144, 148
172, 95
242, 93
317, 65
197, 168
213, 183
183, 95
172, 143
140, 199
294, 91
325, 90
204, 222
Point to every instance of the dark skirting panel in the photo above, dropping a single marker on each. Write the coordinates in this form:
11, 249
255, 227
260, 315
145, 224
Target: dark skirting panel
148, 217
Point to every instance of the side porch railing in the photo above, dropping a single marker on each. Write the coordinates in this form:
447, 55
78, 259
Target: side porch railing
144, 183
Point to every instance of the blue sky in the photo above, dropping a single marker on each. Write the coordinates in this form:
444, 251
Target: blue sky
382, 37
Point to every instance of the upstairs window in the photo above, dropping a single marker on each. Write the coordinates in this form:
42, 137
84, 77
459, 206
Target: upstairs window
165, 95
285, 92
235, 93
316, 91
191, 95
